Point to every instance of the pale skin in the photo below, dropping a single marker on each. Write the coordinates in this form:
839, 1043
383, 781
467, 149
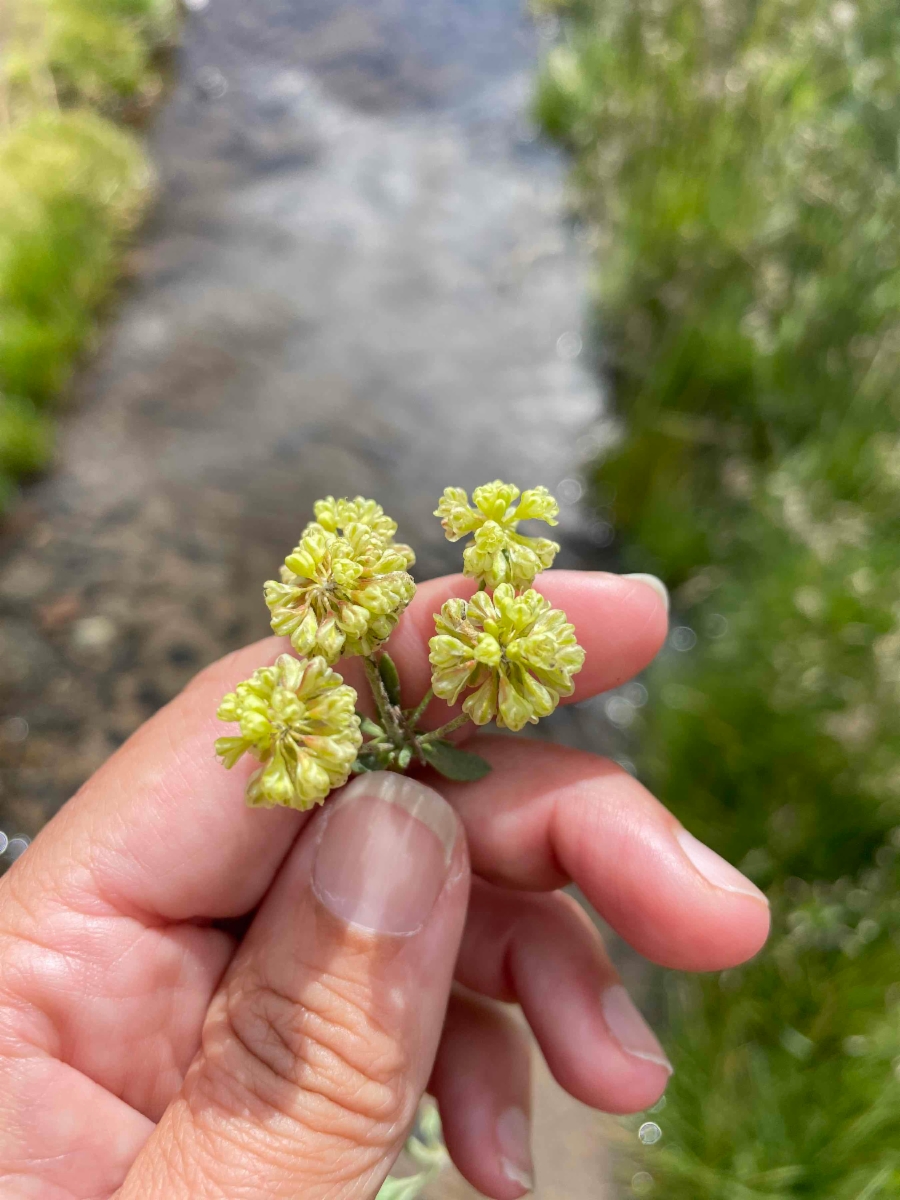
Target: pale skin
182, 1016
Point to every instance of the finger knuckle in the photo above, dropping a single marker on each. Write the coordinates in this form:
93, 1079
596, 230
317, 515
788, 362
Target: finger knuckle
318, 1056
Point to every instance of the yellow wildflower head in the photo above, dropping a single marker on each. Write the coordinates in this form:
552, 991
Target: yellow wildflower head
497, 553
298, 718
335, 516
517, 652
340, 594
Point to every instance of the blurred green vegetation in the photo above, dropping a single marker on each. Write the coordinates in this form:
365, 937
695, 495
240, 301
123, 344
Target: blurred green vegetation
74, 74
737, 162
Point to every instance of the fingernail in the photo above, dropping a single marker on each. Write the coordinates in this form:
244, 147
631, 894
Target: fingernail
630, 1029
715, 869
652, 581
384, 853
514, 1140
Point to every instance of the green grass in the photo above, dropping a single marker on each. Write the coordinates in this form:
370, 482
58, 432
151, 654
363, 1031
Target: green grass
739, 165
75, 76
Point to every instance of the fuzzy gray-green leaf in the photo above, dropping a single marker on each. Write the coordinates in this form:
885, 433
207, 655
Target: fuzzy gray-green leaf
390, 678
453, 763
370, 728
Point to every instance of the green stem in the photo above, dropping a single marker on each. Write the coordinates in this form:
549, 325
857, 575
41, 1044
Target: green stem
416, 716
380, 696
436, 734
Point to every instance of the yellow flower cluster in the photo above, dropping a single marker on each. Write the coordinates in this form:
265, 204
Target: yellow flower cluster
497, 553
341, 592
516, 651
298, 719
337, 515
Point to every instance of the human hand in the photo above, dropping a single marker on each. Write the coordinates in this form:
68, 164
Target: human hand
199, 1000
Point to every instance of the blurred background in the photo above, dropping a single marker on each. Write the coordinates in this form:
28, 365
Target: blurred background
644, 252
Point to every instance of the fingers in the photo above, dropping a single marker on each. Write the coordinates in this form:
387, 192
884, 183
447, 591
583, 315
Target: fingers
481, 1081
161, 829
543, 952
61, 1134
161, 835
323, 1034
547, 815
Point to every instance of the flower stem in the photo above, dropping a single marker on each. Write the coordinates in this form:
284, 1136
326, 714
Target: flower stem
416, 715
436, 734
382, 699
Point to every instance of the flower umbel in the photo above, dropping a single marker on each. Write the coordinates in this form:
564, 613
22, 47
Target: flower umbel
335, 516
341, 594
517, 652
299, 720
498, 554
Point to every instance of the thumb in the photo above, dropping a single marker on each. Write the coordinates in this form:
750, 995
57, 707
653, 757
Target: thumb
321, 1038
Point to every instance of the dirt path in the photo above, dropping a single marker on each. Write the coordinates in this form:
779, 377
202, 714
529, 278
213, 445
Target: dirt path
358, 279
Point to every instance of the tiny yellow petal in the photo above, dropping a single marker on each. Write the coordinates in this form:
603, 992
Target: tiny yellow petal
514, 711
482, 704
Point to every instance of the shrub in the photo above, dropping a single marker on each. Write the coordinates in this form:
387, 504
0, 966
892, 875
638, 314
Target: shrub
73, 182
739, 163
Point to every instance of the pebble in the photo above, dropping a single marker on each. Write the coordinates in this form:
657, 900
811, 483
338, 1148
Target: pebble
93, 633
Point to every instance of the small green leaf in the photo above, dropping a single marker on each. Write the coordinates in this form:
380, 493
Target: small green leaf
371, 729
372, 758
390, 678
450, 761
404, 757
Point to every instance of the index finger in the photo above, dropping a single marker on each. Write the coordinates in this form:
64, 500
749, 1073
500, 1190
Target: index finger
162, 830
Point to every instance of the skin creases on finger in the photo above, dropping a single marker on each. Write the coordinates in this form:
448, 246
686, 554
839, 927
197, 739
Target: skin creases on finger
321, 1038
61, 1134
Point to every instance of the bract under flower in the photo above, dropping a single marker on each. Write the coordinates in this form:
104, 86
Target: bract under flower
516, 652
340, 595
498, 553
298, 718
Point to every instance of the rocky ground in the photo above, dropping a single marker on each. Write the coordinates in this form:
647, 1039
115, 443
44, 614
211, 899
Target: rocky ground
358, 278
